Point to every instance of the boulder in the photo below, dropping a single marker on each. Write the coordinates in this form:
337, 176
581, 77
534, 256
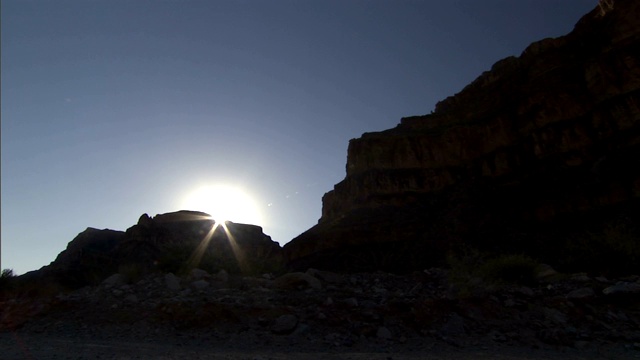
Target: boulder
582, 293
115, 280
622, 288
296, 280
172, 282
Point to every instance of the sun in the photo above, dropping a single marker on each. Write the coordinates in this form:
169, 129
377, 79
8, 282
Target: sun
224, 203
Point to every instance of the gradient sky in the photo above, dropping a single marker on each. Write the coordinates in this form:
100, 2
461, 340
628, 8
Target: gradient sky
112, 109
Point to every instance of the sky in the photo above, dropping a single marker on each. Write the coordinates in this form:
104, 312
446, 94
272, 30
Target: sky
115, 108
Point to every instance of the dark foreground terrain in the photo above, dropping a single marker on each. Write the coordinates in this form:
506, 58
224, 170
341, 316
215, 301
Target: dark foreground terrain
433, 314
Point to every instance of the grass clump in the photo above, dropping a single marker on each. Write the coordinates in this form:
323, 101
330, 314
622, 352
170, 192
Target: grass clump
512, 269
612, 250
132, 272
7, 278
475, 274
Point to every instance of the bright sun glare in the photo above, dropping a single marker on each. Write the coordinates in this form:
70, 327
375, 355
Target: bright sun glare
224, 203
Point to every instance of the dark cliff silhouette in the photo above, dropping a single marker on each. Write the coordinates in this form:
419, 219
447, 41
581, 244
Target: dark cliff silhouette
538, 155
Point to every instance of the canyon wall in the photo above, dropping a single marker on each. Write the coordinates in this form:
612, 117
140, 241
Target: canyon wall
548, 136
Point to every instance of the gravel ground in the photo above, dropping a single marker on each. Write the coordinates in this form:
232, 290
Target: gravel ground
321, 315
17, 345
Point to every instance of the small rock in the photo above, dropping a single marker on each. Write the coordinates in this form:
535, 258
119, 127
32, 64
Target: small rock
368, 304
350, 302
555, 316
256, 282
383, 333
301, 329
327, 276
131, 298
622, 288
221, 276
580, 344
115, 280
379, 290
268, 276
285, 324
583, 293
497, 336
200, 284
172, 282
198, 274
526, 291
453, 327
296, 281
185, 292
580, 277
262, 321
544, 272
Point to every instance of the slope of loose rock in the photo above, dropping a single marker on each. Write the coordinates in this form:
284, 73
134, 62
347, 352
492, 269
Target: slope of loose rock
342, 312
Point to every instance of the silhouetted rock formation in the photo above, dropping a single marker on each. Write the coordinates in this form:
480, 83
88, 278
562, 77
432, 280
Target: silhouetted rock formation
537, 145
173, 242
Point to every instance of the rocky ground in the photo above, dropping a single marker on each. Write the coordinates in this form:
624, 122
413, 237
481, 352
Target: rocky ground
319, 314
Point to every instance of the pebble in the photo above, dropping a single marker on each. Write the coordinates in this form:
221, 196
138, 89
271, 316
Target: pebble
284, 324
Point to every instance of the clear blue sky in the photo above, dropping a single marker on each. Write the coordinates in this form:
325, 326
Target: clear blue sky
112, 109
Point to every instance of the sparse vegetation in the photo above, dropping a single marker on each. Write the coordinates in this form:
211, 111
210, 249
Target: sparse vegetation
515, 269
474, 273
7, 273
132, 272
613, 250
6, 280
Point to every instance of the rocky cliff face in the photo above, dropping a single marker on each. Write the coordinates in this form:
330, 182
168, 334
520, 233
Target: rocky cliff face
540, 138
173, 242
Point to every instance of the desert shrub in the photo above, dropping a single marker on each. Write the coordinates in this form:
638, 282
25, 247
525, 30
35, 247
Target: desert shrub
518, 269
464, 278
7, 273
7, 280
132, 272
474, 273
613, 250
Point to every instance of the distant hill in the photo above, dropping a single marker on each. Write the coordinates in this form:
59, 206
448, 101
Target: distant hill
174, 242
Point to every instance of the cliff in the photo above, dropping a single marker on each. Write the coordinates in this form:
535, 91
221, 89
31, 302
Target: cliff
549, 137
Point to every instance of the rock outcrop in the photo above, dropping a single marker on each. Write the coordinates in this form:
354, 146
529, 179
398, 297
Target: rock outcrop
539, 144
173, 242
